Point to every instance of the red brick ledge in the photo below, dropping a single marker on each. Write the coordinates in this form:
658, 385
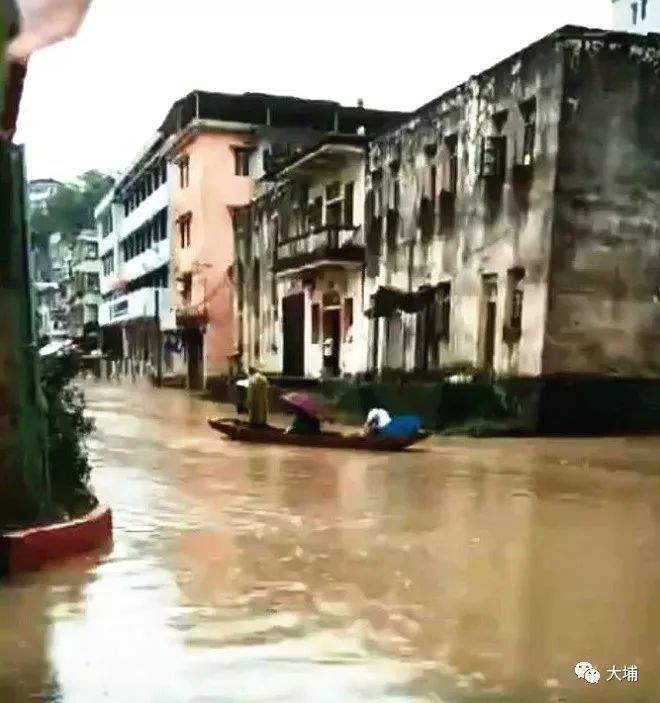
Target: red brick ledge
32, 549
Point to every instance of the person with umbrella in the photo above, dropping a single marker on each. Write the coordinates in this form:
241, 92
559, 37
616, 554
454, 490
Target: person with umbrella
307, 413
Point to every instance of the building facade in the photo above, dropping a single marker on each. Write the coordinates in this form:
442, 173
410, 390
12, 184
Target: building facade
82, 286
640, 16
221, 146
133, 229
510, 228
300, 269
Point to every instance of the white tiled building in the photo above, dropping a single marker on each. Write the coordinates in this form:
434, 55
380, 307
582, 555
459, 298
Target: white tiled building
133, 227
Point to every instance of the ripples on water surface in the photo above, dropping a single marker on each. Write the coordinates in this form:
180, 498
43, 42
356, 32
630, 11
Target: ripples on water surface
472, 570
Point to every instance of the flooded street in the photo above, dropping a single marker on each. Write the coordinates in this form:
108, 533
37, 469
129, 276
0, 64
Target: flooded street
466, 570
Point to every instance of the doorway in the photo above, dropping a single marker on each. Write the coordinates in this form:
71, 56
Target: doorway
293, 331
195, 358
331, 340
489, 317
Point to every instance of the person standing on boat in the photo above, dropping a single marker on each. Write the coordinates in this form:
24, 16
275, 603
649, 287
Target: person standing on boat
257, 398
377, 420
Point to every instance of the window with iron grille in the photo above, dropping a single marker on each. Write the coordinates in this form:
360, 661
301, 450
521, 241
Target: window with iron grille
443, 316
242, 162
348, 204
184, 171
515, 296
348, 319
316, 323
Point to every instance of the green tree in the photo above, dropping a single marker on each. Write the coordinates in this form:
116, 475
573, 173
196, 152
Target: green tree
71, 208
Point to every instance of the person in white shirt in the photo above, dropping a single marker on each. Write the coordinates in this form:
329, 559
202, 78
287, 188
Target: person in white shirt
377, 419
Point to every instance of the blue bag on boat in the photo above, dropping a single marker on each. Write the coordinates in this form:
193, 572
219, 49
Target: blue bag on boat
402, 426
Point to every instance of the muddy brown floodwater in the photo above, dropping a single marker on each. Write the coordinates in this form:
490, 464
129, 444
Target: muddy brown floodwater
467, 570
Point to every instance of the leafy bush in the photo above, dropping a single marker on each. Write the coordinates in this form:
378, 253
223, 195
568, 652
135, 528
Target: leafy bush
68, 429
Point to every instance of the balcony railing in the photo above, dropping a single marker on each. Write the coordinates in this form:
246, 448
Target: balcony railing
191, 316
336, 243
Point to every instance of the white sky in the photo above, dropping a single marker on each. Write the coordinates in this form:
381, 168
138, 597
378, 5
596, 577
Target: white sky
93, 101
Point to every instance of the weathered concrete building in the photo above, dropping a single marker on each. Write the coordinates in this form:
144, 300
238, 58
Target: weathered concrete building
510, 225
82, 287
522, 205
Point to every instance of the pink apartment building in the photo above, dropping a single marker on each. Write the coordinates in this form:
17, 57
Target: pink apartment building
220, 146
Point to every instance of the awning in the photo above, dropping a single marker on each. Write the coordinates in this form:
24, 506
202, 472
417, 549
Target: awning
387, 301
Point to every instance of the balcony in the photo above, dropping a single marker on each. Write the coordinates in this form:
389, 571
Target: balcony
138, 305
327, 245
192, 316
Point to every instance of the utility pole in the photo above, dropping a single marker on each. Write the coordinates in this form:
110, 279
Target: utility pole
159, 341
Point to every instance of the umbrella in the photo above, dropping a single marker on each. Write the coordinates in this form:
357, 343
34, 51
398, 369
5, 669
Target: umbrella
307, 404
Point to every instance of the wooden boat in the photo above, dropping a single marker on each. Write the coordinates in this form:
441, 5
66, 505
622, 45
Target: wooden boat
243, 432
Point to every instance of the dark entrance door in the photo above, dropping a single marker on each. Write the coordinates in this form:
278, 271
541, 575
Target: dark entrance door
195, 354
331, 341
293, 330
489, 318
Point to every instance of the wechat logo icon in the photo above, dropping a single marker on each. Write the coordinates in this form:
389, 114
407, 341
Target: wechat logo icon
588, 672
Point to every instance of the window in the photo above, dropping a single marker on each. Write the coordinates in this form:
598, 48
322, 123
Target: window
434, 183
316, 323
316, 213
92, 282
348, 320
108, 261
242, 162
92, 251
633, 7
184, 171
184, 229
91, 313
528, 111
493, 158
163, 171
184, 286
426, 219
333, 204
643, 8
332, 191
452, 149
443, 315
106, 222
513, 325
396, 196
349, 189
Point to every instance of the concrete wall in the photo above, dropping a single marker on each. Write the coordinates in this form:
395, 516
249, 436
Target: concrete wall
484, 239
604, 309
